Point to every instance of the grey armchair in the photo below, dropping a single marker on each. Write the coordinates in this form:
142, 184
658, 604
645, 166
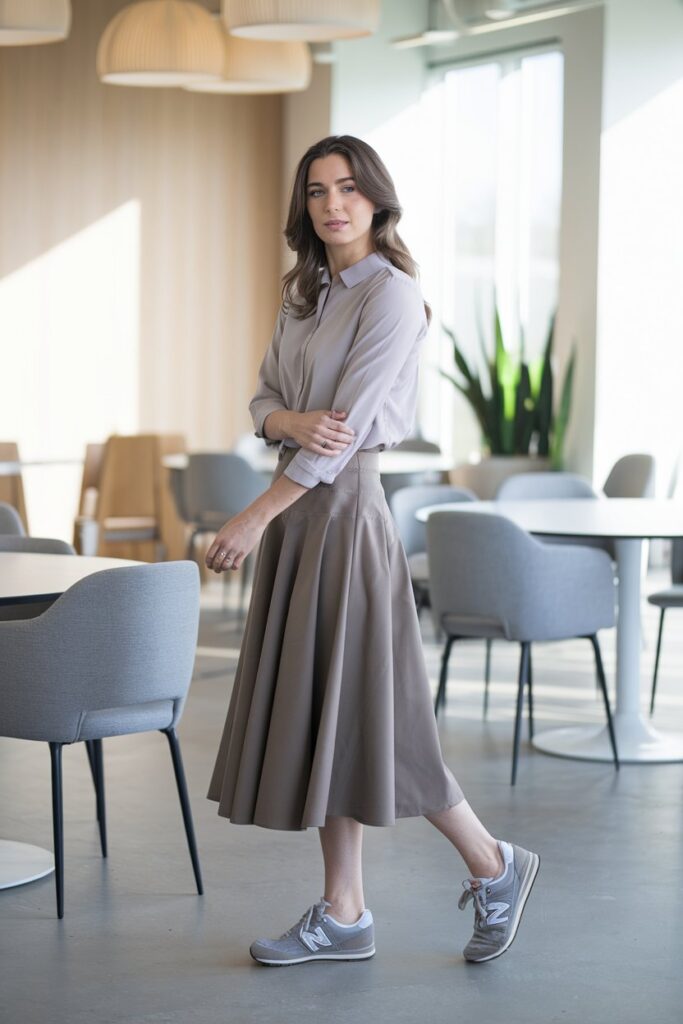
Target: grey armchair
404, 503
112, 656
10, 521
532, 486
489, 578
214, 487
632, 476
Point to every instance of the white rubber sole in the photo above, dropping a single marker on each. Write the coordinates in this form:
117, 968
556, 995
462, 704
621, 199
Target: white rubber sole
526, 886
309, 959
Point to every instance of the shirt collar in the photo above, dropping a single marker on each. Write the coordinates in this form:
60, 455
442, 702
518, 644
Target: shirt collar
357, 272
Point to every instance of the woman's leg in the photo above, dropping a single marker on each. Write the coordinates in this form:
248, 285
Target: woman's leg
478, 849
342, 842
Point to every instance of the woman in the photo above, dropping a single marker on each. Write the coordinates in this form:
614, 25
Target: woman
330, 722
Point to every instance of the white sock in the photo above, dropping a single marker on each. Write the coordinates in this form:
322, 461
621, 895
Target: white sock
362, 922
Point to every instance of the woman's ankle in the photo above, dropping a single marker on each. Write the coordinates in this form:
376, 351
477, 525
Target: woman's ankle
344, 911
488, 864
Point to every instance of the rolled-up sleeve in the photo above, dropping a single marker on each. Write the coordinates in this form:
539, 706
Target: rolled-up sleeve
391, 324
268, 397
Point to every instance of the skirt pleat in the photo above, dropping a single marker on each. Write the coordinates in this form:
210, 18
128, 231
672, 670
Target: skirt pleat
331, 710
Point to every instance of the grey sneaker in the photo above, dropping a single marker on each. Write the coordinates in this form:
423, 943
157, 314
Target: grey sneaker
498, 903
316, 936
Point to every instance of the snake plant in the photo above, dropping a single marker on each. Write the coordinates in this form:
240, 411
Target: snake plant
513, 399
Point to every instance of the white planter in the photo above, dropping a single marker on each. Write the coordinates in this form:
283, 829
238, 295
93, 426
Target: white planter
486, 476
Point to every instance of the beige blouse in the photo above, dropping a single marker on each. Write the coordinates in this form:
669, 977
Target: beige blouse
357, 353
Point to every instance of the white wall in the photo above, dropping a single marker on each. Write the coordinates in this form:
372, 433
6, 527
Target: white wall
376, 94
640, 326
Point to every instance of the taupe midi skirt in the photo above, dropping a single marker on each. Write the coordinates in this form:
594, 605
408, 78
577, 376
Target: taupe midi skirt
331, 710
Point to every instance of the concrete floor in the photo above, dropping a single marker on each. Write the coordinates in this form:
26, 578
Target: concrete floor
601, 940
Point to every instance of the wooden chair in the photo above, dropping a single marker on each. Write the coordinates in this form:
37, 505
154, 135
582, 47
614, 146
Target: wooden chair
12, 487
134, 509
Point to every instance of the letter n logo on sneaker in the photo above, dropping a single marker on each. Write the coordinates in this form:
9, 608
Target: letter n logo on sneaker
497, 910
315, 939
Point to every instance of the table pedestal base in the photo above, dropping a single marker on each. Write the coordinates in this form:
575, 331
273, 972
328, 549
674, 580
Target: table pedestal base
21, 863
637, 742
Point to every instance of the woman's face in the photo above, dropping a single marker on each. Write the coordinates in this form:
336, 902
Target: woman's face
340, 213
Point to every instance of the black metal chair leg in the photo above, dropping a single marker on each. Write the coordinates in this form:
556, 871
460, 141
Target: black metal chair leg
443, 677
530, 698
603, 686
93, 767
185, 804
659, 647
487, 676
98, 776
58, 823
521, 682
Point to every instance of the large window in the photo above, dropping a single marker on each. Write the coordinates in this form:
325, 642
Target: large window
497, 130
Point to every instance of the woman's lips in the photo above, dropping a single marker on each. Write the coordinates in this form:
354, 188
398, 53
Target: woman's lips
336, 225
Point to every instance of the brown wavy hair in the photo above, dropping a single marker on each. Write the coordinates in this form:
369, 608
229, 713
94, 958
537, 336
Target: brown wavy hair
375, 183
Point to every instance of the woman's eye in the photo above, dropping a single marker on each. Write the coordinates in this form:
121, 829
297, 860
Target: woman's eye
316, 192
348, 188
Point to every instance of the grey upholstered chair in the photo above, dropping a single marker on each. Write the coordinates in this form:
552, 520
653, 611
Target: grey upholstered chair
10, 521
672, 597
533, 486
404, 504
632, 476
113, 655
215, 487
489, 578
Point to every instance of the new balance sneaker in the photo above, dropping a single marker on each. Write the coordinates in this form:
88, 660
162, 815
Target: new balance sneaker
498, 903
317, 936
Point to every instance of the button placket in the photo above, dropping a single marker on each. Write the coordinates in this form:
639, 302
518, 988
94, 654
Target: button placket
322, 301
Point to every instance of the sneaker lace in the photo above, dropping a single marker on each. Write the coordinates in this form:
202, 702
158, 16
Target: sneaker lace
476, 892
313, 915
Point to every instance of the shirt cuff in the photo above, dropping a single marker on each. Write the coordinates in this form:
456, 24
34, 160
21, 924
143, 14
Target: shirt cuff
259, 417
300, 475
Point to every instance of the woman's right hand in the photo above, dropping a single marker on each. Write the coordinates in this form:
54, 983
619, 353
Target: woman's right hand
310, 429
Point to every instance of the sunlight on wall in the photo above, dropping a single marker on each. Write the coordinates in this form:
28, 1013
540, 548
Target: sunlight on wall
69, 332
640, 355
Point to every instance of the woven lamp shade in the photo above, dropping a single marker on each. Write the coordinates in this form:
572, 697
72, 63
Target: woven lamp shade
160, 43
27, 22
305, 20
253, 66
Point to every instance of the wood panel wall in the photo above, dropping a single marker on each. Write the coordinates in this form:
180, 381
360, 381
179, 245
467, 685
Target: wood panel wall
204, 174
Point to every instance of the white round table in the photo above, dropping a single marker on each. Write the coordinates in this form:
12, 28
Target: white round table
626, 521
25, 578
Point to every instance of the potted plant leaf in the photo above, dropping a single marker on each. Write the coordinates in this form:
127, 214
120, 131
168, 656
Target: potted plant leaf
513, 400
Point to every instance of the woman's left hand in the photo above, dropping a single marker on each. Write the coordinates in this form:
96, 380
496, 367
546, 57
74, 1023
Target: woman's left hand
233, 542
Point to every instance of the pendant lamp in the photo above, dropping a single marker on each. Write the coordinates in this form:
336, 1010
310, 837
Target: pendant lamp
306, 20
253, 66
160, 43
26, 22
